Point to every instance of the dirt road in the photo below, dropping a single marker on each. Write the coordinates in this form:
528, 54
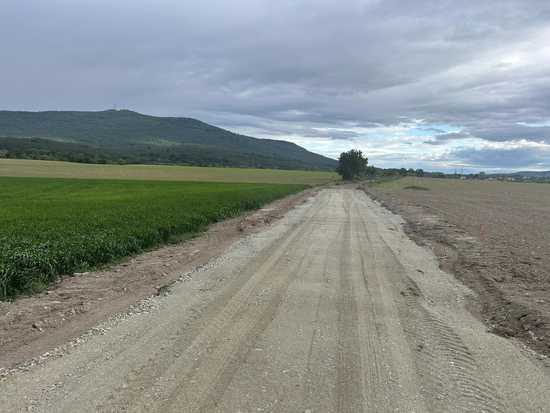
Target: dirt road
332, 309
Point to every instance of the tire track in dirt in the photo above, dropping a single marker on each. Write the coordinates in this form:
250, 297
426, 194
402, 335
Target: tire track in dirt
313, 375
350, 368
209, 361
445, 365
387, 364
279, 286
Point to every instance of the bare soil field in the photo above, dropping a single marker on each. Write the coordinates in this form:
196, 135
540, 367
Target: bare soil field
494, 236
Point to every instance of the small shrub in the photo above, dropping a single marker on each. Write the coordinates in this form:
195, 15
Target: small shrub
417, 188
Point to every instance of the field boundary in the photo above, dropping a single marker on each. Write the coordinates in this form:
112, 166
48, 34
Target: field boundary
31, 326
59, 169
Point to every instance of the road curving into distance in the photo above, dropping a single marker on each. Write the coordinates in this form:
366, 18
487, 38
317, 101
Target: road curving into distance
331, 309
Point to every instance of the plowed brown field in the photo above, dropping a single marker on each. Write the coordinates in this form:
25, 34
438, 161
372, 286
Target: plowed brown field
494, 236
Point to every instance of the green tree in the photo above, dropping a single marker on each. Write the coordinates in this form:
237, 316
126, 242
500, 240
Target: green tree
352, 164
370, 171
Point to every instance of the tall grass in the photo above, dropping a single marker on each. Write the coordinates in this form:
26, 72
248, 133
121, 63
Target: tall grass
50, 227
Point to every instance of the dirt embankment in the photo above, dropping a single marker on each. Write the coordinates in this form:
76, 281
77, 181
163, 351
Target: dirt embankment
492, 236
31, 326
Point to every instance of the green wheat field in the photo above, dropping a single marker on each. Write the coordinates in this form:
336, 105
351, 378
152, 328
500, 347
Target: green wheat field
52, 226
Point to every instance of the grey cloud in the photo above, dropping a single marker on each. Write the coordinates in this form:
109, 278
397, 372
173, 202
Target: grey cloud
443, 138
333, 134
284, 67
510, 132
434, 130
516, 158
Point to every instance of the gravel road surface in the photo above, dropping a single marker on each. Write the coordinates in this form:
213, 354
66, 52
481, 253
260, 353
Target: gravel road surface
331, 309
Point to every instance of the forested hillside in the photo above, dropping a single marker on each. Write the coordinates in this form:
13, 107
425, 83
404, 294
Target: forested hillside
122, 136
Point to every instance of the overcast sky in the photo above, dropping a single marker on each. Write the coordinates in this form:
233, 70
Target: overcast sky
424, 83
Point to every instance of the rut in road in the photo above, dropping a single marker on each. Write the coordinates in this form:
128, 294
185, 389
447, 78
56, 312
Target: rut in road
332, 309
444, 365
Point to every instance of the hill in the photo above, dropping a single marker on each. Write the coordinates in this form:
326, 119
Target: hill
123, 136
532, 174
